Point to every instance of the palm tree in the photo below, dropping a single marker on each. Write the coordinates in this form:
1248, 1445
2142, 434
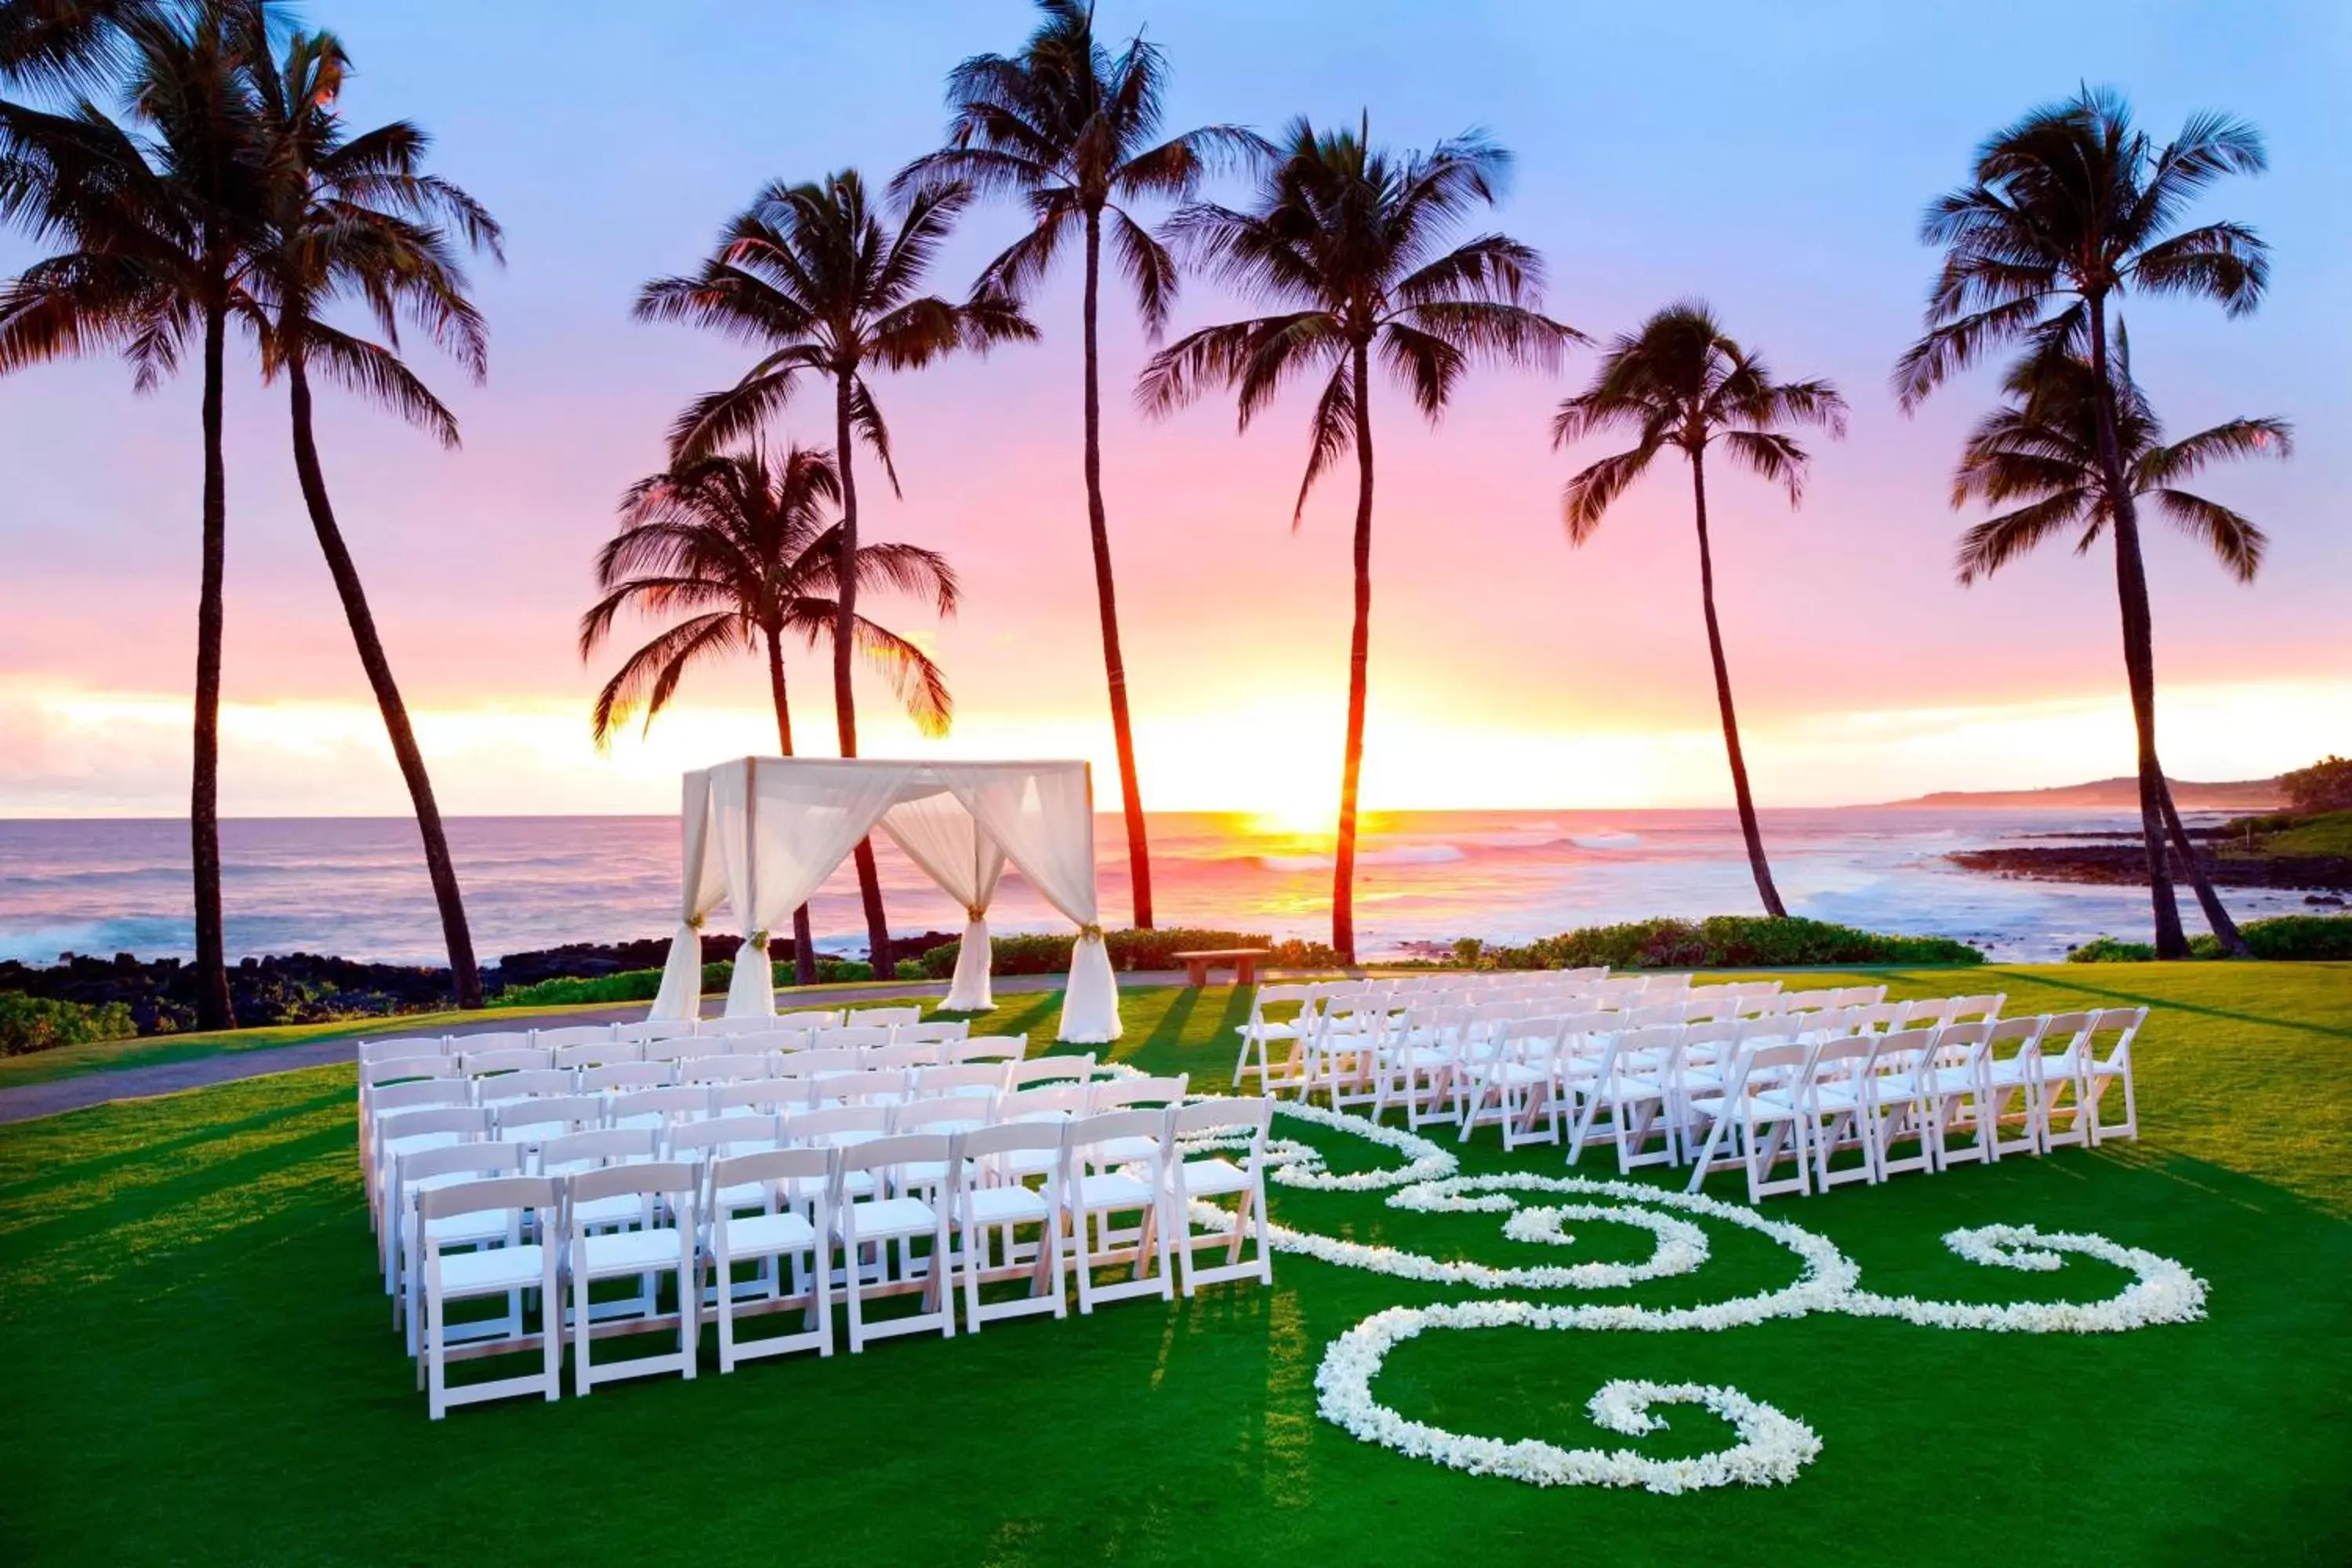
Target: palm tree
2042, 448
1072, 130
1681, 382
810, 275
154, 229
1346, 241
355, 215
742, 548
2068, 210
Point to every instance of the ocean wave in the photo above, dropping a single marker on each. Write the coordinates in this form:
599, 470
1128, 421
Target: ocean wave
1404, 855
1608, 838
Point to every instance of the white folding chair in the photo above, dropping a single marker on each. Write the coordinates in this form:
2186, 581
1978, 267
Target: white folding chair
582, 1055
685, 1047
416, 1048
730, 1069
405, 1132
1837, 1108
660, 1241
971, 1080
1260, 1031
1633, 1083
530, 1083
890, 1212
748, 1024
1037, 1071
941, 1032
1958, 1091
624, 1077
572, 1037
648, 1029
531, 1123
2106, 1061
1200, 1176
992, 1198
986, 1048
1901, 1101
883, 1017
795, 1190
1517, 1083
1099, 1183
566, 1157
421, 1172
508, 1270
1983, 1009
1756, 1121
767, 1096
806, 1019
2012, 1050
2060, 1081
850, 1036
659, 1108
482, 1042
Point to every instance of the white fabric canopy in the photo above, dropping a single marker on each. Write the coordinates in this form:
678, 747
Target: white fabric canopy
764, 832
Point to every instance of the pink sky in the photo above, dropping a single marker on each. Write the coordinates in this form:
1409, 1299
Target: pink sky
1507, 670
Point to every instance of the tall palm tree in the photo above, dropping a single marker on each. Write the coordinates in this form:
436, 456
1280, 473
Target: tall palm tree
356, 216
809, 274
1681, 382
2042, 448
741, 547
1348, 242
2067, 210
1072, 130
154, 226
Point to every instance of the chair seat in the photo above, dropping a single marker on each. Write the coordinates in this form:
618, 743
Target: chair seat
1013, 1205
1123, 1150
1269, 1031
1952, 1080
881, 1217
1114, 1191
761, 1234
1747, 1108
621, 1208
1214, 1177
626, 1252
496, 1268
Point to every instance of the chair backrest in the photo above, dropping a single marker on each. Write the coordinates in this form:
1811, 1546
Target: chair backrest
532, 1083
948, 1113
685, 1047
805, 1019
967, 1080
598, 1053
1844, 1057
462, 1120
1650, 1015
723, 1135
900, 1055
1905, 1053
567, 1036
1808, 1001
862, 1036
934, 1034
1975, 1009
749, 1024
2066, 1034
416, 1094
1860, 995
586, 1151
729, 1069
1778, 1065
537, 1120
1036, 1070
408, 1049
826, 1126
513, 1192
475, 1044
1962, 1045
762, 1042
771, 1095
1113, 1094
1724, 1032
460, 1159
1928, 1011
1120, 1127
888, 1157
1008, 1137
884, 1017
657, 1107
1052, 1101
2112, 1030
674, 1179
628, 1075
805, 1170
986, 1048
512, 1058
646, 1029
1253, 1114
860, 1087
405, 1070
808, 1063
2024, 1032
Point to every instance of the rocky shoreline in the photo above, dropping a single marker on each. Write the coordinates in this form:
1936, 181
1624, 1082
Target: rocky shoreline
309, 987
2126, 865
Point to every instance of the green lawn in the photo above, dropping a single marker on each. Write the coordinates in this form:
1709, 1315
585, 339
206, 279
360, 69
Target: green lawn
202, 1367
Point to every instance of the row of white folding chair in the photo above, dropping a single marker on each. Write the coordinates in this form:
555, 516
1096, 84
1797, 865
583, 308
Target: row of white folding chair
809, 1203
564, 1036
558, 1047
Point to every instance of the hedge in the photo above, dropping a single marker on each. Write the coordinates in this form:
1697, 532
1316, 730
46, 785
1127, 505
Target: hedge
30, 1024
1721, 941
2281, 938
644, 984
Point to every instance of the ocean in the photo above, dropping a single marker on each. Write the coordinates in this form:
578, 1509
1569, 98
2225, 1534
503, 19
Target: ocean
356, 886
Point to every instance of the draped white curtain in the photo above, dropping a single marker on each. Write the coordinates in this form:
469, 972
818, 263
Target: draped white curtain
937, 833
782, 828
1043, 817
764, 832
704, 885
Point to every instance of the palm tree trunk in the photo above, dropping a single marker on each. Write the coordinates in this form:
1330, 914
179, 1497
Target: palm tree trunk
1359, 650
804, 943
845, 644
1746, 802
2216, 918
1138, 854
214, 1008
2139, 650
437, 864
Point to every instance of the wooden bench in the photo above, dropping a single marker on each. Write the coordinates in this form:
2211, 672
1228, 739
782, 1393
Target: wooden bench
1242, 961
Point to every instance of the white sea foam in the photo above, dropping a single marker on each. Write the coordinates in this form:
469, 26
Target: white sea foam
1403, 854
1609, 839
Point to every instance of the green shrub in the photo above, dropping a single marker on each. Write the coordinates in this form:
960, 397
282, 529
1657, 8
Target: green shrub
2304, 937
2325, 785
2108, 950
39, 1023
1049, 953
1721, 941
585, 990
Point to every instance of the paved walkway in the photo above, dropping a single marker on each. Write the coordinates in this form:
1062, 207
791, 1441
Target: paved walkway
24, 1101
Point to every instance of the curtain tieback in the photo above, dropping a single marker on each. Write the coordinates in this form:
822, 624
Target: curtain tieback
1090, 933
693, 923
975, 911
758, 939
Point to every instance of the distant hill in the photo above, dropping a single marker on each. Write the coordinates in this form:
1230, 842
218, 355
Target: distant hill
2112, 794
